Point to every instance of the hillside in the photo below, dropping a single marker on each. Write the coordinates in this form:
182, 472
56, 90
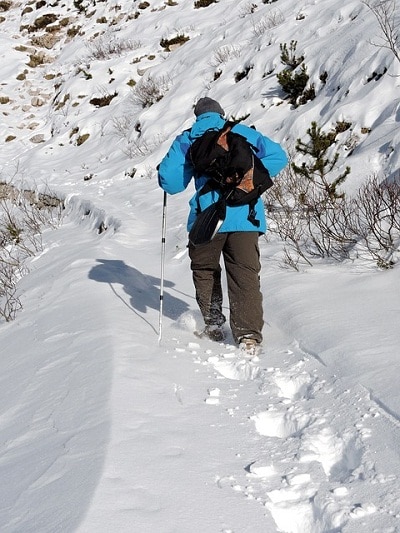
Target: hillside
105, 430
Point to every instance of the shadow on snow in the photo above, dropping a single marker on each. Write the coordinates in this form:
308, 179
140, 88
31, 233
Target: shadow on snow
143, 290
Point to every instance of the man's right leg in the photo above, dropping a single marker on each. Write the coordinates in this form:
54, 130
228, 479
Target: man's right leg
242, 262
206, 270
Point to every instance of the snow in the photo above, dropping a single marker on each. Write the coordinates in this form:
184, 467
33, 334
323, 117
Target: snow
104, 429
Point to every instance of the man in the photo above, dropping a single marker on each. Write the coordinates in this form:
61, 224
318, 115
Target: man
237, 238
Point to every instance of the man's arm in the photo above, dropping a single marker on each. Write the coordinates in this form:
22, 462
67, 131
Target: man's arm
175, 170
272, 155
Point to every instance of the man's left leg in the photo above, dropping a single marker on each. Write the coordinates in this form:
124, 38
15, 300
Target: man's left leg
206, 269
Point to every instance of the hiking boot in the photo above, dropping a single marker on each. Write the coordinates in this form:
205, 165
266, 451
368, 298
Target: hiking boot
249, 346
215, 333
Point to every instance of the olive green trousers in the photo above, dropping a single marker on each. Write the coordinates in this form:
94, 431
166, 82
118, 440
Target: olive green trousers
241, 257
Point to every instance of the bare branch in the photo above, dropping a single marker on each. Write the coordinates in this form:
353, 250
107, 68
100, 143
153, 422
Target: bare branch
385, 13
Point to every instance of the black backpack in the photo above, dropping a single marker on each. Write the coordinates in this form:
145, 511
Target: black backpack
233, 166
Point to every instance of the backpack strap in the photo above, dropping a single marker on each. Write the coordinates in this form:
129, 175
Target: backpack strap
252, 213
222, 140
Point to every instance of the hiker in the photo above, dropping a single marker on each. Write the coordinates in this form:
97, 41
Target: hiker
237, 237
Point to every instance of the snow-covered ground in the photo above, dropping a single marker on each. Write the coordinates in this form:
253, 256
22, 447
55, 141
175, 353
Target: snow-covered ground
102, 428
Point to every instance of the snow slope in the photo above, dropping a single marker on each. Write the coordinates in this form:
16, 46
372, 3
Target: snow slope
102, 428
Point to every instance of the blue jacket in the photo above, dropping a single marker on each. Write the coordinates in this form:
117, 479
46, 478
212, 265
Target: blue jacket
176, 171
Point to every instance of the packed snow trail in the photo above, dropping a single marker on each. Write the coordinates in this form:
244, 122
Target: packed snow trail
284, 435
311, 456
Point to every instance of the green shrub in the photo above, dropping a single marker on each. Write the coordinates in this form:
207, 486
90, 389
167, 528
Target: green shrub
178, 40
288, 56
204, 3
73, 31
242, 74
43, 21
36, 59
79, 5
103, 101
318, 168
5, 5
82, 138
293, 82
293, 79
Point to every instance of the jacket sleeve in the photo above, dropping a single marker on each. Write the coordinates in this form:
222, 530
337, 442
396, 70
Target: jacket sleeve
272, 155
175, 170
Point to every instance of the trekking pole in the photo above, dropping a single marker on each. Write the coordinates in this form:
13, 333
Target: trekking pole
163, 233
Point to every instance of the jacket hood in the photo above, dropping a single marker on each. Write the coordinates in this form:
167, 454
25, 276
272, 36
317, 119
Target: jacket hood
206, 121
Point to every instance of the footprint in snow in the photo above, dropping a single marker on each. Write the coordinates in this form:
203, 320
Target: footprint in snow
238, 370
339, 455
213, 396
282, 424
295, 386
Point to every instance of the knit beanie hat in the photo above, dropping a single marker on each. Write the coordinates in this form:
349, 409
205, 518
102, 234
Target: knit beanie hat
207, 105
